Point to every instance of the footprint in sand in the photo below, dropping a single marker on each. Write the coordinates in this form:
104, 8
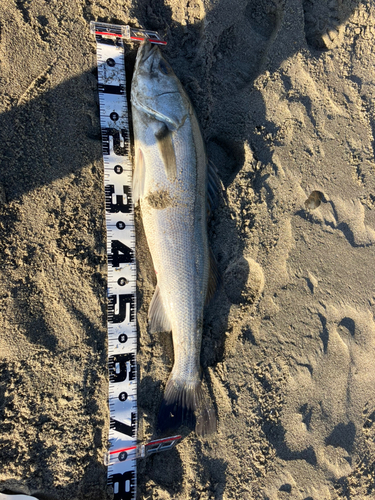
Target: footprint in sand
350, 219
323, 23
263, 16
323, 416
244, 281
348, 216
246, 41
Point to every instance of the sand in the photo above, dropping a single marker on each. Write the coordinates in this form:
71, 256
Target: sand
284, 91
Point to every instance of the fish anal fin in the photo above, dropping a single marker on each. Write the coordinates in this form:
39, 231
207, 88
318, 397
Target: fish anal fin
138, 175
157, 316
165, 144
213, 278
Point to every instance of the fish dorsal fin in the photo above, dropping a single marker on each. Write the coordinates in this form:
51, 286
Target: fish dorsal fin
138, 175
157, 316
215, 188
213, 278
165, 144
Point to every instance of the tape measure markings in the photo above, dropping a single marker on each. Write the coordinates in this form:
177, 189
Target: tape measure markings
122, 331
122, 274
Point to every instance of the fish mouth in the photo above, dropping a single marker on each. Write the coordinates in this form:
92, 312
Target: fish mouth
145, 55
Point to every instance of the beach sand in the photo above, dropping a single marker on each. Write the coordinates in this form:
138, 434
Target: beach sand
284, 91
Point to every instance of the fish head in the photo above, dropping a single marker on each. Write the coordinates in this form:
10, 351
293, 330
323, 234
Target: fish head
148, 61
156, 90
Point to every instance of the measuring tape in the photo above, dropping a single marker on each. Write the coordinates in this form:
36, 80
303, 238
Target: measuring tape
122, 274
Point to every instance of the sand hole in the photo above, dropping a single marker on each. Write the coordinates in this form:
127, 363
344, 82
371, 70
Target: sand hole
314, 200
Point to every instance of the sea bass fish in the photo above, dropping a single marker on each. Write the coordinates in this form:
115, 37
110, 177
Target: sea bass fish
170, 182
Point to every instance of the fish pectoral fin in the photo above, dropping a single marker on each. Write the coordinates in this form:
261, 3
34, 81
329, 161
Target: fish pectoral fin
165, 145
138, 175
213, 278
157, 316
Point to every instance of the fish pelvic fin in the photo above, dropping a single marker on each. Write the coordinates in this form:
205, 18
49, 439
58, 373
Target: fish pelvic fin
185, 403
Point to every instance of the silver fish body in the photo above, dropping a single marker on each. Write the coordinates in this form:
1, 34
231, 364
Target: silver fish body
170, 182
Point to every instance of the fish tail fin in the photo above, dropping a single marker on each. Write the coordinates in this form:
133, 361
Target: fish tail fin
186, 403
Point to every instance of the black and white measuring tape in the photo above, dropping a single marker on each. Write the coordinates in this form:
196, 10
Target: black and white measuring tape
122, 327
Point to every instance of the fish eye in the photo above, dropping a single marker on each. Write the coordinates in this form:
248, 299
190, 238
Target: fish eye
164, 67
